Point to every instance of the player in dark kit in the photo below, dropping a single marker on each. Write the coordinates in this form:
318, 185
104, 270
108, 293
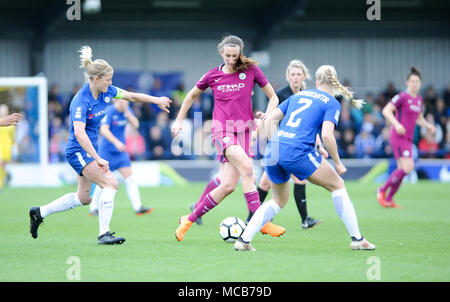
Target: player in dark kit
296, 74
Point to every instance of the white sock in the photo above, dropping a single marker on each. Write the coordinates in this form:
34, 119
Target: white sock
65, 202
105, 209
95, 197
345, 210
262, 215
133, 193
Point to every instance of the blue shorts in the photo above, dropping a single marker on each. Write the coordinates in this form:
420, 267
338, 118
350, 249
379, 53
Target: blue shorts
78, 160
116, 160
282, 160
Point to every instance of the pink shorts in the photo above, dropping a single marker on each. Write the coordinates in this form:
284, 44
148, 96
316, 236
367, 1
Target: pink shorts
401, 146
223, 140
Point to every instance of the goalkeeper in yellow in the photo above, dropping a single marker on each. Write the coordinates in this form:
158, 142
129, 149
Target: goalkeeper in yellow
7, 132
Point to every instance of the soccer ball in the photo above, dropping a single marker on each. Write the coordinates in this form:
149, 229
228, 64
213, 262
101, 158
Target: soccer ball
231, 228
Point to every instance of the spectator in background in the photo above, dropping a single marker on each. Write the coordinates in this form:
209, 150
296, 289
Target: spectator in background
440, 117
158, 91
428, 147
446, 96
207, 101
365, 142
158, 147
135, 143
178, 96
369, 123
345, 121
162, 122
381, 100
378, 117
382, 146
357, 118
57, 144
438, 133
66, 105
430, 99
368, 106
55, 102
447, 141
390, 92
347, 145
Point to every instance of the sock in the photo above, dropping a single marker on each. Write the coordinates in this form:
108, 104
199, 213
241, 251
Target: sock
262, 194
95, 197
206, 205
345, 210
133, 193
397, 178
390, 181
300, 200
105, 209
65, 202
252, 199
212, 184
263, 214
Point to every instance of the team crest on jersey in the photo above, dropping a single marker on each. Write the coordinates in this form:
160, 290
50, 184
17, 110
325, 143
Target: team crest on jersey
409, 101
242, 76
226, 139
406, 153
107, 99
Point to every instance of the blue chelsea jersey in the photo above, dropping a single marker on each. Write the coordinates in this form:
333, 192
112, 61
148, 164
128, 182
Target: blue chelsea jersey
117, 122
84, 108
304, 114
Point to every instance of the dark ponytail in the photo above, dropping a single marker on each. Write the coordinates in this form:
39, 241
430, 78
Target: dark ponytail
414, 71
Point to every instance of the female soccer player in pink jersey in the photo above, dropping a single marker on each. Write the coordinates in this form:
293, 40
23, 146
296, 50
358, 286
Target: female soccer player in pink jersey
232, 84
407, 106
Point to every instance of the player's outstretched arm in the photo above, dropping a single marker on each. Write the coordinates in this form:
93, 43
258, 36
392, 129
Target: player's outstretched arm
192, 95
162, 102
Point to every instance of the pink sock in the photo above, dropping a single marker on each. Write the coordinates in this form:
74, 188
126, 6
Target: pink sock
252, 199
212, 184
389, 182
202, 208
396, 183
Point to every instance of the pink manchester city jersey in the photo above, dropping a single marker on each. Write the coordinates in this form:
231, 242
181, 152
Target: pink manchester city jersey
407, 110
232, 97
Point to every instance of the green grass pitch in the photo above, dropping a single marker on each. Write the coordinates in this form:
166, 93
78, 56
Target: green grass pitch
413, 242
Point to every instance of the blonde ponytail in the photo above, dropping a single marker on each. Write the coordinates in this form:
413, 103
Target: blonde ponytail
86, 56
326, 74
95, 68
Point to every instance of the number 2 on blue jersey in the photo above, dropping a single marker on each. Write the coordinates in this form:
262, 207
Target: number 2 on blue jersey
292, 122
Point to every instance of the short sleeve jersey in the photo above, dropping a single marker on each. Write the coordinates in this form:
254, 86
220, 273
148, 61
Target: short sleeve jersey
116, 121
232, 97
84, 108
304, 114
407, 109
